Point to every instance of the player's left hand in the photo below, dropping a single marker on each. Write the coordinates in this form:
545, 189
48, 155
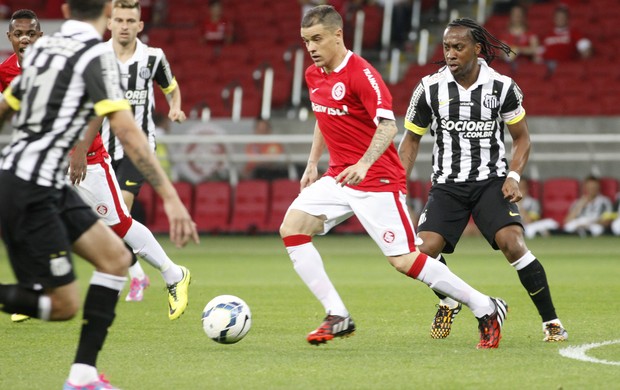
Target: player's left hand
353, 175
176, 115
511, 192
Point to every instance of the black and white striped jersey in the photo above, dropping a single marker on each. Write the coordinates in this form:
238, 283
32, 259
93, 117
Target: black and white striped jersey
468, 124
66, 78
147, 64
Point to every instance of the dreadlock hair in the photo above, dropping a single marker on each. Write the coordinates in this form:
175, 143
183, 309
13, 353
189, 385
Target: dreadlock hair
487, 41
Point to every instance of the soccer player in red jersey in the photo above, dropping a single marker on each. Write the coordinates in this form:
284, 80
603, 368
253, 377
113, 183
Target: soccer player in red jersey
24, 30
355, 122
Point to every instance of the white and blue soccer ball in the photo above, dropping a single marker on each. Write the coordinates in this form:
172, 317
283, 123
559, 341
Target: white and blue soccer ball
226, 319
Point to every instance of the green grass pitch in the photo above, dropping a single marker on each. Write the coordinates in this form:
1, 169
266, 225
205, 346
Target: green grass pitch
391, 348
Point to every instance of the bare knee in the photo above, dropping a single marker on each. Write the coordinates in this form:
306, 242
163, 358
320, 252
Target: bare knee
115, 261
299, 222
511, 242
65, 302
430, 243
404, 263
104, 249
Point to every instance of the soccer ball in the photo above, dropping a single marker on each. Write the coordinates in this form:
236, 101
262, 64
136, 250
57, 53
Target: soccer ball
226, 319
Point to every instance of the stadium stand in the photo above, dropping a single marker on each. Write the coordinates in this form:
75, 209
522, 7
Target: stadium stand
250, 206
557, 196
282, 193
212, 206
159, 221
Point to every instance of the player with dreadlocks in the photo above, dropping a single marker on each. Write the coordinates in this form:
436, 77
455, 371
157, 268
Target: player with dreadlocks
466, 105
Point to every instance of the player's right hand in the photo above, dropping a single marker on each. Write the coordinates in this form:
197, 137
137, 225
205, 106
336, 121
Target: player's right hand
182, 227
311, 174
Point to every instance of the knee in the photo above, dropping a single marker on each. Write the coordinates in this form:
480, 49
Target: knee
64, 307
511, 243
117, 262
403, 263
286, 229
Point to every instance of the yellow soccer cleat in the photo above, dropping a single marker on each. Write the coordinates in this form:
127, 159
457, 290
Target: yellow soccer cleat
19, 317
178, 295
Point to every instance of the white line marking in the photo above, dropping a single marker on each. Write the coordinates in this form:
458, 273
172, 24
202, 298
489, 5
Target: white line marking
579, 352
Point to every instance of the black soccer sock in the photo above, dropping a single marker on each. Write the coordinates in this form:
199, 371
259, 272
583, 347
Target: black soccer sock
17, 299
99, 313
440, 295
534, 279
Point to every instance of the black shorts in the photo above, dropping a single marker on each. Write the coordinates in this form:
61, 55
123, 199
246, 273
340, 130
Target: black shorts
39, 225
129, 177
450, 206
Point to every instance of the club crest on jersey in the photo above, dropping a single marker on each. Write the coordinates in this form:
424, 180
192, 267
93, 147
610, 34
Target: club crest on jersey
389, 236
338, 91
490, 101
145, 73
102, 209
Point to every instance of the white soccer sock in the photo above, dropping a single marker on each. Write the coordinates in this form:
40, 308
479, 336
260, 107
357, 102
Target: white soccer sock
136, 271
82, 374
308, 264
45, 307
554, 321
447, 301
145, 245
440, 278
524, 261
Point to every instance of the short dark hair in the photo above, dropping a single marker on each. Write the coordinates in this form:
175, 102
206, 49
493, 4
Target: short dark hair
24, 14
86, 9
322, 14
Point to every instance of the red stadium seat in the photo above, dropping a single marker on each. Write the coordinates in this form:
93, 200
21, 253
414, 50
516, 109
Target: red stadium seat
251, 201
146, 197
159, 223
609, 187
557, 196
212, 204
283, 192
534, 188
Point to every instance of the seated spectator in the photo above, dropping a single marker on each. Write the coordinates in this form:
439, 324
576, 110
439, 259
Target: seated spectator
564, 43
5, 9
615, 224
521, 40
529, 208
217, 30
591, 212
257, 168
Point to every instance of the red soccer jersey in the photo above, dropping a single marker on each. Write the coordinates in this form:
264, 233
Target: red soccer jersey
561, 44
348, 103
96, 153
8, 70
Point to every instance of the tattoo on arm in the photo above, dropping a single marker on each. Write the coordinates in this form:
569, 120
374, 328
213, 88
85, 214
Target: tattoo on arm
382, 139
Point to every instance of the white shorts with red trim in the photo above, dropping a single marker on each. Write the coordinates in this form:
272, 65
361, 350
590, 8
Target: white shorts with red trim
101, 191
384, 215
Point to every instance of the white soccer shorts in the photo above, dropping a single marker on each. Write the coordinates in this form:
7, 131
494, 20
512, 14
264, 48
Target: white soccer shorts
384, 215
101, 191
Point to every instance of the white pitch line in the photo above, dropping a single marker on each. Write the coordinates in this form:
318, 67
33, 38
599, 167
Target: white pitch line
579, 352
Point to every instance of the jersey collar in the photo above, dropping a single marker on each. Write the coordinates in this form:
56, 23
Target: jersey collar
483, 76
344, 62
